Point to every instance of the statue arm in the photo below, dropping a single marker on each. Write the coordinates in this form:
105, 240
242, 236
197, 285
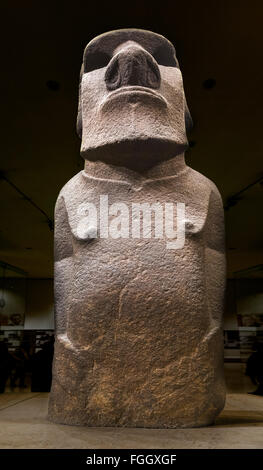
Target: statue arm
63, 252
215, 262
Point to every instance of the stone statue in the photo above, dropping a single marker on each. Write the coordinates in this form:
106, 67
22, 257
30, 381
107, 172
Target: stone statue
139, 251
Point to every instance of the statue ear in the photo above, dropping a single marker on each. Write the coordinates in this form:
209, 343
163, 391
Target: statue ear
79, 117
187, 117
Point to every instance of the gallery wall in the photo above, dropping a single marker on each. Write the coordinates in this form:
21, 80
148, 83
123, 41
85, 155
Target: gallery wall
28, 304
243, 318
39, 305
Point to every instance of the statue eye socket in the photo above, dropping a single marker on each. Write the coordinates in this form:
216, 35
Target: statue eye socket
95, 60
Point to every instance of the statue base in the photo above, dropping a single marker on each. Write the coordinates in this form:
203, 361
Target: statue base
84, 392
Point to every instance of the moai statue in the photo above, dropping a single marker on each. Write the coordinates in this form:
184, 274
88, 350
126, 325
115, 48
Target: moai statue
139, 251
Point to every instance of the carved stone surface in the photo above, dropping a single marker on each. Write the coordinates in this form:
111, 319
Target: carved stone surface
138, 325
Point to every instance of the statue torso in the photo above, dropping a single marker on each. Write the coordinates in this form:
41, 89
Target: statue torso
120, 282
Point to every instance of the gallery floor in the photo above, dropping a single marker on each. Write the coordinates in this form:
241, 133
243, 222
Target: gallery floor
23, 424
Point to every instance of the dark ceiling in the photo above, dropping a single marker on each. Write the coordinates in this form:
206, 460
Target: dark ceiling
219, 46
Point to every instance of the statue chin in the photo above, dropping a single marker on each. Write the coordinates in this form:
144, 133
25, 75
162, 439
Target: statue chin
132, 127
137, 154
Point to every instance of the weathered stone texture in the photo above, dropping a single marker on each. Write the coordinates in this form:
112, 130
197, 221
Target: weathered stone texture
139, 326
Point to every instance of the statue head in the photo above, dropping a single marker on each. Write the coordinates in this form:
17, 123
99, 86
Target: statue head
131, 98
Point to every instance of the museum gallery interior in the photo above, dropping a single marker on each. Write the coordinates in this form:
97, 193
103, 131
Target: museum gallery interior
131, 264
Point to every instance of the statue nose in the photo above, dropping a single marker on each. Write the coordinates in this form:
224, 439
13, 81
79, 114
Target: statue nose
132, 66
